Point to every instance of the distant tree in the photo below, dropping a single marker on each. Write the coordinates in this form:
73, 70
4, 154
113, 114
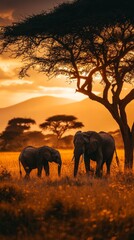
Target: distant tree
66, 142
59, 124
89, 41
14, 131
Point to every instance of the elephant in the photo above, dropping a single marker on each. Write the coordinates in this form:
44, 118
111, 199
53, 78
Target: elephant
32, 158
98, 147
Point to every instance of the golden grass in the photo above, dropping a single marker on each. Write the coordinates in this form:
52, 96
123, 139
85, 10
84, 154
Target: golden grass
10, 161
84, 208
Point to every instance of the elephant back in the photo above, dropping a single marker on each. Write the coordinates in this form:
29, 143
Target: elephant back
108, 143
106, 137
28, 157
26, 152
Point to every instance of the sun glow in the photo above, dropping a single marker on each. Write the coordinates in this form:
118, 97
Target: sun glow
63, 92
7, 66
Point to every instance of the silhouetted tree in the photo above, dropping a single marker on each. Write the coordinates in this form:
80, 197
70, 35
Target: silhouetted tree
14, 131
59, 124
90, 41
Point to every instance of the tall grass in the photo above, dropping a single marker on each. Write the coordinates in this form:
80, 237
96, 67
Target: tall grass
84, 208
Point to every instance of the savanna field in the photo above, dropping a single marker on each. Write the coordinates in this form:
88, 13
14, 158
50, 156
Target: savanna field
56, 208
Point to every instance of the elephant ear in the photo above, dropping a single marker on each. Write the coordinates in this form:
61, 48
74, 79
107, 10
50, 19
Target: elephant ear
86, 142
76, 136
93, 145
44, 153
50, 159
51, 155
54, 155
86, 138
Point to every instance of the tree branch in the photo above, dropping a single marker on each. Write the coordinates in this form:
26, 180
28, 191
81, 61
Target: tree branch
127, 98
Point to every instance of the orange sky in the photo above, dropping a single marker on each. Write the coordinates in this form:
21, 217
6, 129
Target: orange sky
13, 89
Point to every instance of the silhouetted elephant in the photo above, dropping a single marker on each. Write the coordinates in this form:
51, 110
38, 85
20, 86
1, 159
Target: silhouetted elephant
98, 147
31, 158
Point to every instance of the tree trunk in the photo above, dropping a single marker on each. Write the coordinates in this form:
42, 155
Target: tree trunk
133, 136
128, 148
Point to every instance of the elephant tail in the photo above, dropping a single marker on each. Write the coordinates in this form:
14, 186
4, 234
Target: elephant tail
116, 157
20, 168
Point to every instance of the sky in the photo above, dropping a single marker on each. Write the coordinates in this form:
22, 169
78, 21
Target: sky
14, 90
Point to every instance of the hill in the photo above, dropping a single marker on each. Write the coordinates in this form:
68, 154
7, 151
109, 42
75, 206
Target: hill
36, 108
93, 115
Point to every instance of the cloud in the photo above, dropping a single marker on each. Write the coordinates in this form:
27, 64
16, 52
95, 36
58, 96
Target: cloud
18, 85
7, 14
4, 21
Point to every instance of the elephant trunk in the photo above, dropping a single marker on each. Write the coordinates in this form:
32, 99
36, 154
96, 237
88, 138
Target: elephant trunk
76, 164
59, 169
57, 159
20, 167
77, 154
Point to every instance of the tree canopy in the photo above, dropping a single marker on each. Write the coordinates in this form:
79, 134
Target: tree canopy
90, 41
59, 124
14, 130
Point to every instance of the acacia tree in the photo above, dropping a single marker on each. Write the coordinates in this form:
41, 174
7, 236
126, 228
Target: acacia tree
14, 130
83, 40
59, 124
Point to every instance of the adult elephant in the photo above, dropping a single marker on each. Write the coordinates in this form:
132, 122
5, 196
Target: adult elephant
32, 158
98, 147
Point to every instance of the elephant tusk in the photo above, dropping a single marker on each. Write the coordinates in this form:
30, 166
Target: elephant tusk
72, 158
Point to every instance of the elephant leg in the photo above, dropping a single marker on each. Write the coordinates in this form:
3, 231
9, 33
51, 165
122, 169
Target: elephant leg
108, 164
27, 176
46, 168
76, 164
99, 165
39, 171
102, 168
98, 172
87, 165
27, 170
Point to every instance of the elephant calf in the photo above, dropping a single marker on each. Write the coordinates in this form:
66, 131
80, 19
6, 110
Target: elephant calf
32, 158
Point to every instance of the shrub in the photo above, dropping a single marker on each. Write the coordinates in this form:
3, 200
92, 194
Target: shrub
17, 221
60, 212
9, 193
4, 174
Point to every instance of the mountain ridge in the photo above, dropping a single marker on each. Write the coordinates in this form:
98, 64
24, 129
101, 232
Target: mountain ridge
40, 98
92, 114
